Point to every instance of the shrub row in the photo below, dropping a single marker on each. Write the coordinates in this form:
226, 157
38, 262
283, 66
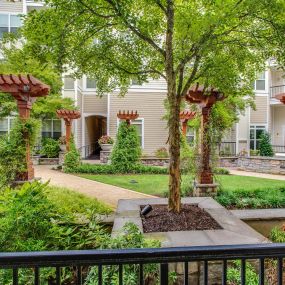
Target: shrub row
111, 169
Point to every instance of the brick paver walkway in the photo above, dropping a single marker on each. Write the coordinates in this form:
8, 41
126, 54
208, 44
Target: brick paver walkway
256, 174
106, 193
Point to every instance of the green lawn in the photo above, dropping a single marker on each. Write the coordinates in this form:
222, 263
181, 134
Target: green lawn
157, 184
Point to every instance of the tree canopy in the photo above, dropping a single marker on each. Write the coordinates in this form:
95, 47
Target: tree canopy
222, 43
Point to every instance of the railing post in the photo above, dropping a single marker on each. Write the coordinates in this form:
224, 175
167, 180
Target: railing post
164, 274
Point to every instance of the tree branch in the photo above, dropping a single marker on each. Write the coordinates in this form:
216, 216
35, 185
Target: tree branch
160, 5
135, 30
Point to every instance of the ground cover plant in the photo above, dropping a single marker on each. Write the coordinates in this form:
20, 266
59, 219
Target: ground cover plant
235, 191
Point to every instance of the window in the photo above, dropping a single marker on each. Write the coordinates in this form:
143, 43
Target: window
259, 84
255, 136
139, 125
9, 24
68, 83
190, 135
4, 126
51, 128
90, 83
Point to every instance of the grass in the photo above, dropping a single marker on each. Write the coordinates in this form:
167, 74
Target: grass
157, 184
234, 192
73, 202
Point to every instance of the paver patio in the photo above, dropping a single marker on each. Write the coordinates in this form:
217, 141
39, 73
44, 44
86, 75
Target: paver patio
103, 192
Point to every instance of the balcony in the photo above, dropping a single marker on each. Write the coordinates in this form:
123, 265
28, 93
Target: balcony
78, 263
275, 90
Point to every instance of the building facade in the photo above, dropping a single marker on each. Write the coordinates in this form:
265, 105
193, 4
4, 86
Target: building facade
99, 115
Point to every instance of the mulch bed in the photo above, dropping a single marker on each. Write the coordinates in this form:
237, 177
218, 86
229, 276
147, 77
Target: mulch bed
191, 218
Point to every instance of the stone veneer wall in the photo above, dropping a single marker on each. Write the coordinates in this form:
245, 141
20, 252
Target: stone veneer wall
271, 165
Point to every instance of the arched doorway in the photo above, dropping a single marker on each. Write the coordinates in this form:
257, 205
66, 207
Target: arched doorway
95, 127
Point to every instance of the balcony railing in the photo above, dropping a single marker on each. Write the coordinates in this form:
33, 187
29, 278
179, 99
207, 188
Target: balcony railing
278, 148
275, 90
82, 261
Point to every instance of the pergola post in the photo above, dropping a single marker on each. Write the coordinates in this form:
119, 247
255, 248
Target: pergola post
25, 90
205, 98
68, 116
128, 116
186, 116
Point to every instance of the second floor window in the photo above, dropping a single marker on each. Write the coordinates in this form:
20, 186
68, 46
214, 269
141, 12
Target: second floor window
259, 84
68, 83
9, 24
90, 83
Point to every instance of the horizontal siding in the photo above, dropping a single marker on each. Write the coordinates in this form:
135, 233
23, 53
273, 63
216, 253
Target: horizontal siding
260, 115
278, 125
13, 7
159, 84
150, 106
94, 104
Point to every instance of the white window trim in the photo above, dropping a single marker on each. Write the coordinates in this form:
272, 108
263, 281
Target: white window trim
68, 89
266, 90
9, 123
52, 126
254, 125
142, 123
85, 85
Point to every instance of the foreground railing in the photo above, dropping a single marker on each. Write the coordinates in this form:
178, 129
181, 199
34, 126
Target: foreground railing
227, 148
99, 259
275, 90
87, 150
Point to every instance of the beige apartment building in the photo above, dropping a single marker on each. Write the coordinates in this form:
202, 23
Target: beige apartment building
99, 115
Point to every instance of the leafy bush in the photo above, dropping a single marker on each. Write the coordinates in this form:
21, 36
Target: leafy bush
187, 157
111, 169
221, 171
254, 152
162, 153
258, 198
130, 237
126, 152
278, 234
13, 150
265, 146
71, 159
50, 147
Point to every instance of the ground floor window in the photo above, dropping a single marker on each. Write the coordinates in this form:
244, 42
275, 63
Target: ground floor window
190, 135
139, 125
6, 125
256, 132
51, 128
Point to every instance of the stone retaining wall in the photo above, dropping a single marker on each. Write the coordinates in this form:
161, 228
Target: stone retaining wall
155, 161
271, 165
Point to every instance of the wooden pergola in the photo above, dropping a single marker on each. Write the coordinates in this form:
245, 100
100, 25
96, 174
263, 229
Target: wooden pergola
205, 97
68, 116
128, 116
186, 116
25, 89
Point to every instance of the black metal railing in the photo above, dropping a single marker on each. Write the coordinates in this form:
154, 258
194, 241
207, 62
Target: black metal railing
278, 148
87, 150
82, 261
277, 89
227, 148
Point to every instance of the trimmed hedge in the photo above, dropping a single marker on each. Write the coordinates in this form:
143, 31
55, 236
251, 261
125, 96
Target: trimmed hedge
110, 169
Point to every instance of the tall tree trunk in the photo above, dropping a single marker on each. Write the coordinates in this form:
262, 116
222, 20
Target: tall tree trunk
174, 200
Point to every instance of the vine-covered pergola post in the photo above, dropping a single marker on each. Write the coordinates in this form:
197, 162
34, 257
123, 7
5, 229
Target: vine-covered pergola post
186, 116
128, 116
68, 116
205, 97
25, 89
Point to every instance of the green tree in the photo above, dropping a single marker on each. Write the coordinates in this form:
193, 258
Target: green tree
127, 151
223, 43
265, 147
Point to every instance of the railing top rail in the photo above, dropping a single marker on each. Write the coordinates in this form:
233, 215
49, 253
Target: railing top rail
282, 85
136, 256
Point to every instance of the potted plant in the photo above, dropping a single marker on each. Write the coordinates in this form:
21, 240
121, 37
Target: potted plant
62, 143
106, 143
